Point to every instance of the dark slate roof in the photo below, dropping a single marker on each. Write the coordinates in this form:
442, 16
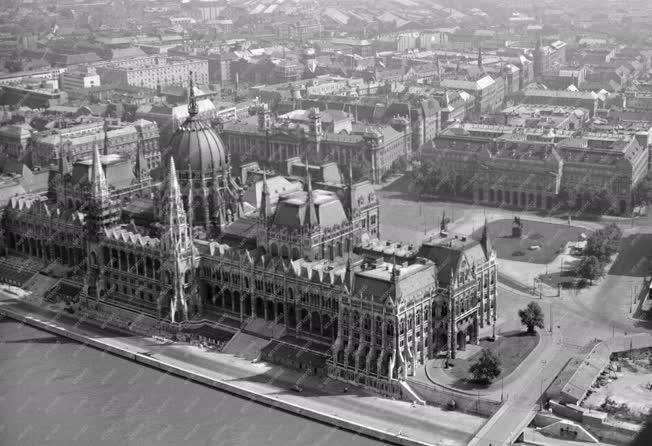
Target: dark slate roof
291, 209
196, 144
448, 251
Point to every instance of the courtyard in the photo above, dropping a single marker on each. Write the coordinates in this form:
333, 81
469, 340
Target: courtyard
511, 348
550, 238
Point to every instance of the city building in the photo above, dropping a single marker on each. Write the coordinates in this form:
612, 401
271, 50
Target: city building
79, 79
153, 71
112, 137
371, 150
424, 113
540, 168
14, 141
580, 99
549, 59
305, 263
33, 95
489, 93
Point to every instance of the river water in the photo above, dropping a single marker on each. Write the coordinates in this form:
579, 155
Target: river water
54, 391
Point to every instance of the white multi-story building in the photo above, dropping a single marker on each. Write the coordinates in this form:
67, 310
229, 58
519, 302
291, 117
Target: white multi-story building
83, 78
153, 71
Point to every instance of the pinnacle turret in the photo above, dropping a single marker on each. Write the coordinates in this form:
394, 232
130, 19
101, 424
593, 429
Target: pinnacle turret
311, 216
193, 109
265, 205
485, 240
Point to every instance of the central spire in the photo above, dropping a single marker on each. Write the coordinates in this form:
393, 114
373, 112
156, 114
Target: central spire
193, 109
311, 217
99, 186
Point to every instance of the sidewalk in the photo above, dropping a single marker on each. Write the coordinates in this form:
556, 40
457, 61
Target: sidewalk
436, 373
322, 399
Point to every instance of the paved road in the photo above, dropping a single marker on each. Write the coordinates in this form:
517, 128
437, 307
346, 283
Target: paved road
602, 311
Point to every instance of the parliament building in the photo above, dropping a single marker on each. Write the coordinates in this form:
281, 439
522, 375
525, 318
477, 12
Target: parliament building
308, 261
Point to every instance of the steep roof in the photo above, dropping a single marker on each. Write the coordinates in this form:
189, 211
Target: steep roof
291, 209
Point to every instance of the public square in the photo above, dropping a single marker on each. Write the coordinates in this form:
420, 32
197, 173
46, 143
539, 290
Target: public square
572, 319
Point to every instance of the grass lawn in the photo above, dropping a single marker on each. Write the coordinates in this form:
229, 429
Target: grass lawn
550, 237
511, 348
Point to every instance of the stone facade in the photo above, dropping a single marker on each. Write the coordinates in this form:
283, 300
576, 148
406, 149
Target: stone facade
369, 149
529, 168
310, 263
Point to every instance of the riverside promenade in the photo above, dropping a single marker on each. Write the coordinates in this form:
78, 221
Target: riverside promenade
396, 422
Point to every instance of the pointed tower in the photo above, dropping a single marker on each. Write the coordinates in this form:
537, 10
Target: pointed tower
310, 219
106, 146
396, 278
176, 244
99, 187
175, 236
537, 63
140, 166
485, 240
193, 109
350, 192
64, 163
102, 211
349, 274
265, 211
443, 225
480, 58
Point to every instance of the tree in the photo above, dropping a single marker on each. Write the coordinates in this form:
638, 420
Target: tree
564, 199
531, 317
486, 368
604, 242
642, 192
601, 202
14, 64
590, 268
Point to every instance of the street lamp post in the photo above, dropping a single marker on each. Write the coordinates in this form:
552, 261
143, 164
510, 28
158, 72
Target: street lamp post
543, 363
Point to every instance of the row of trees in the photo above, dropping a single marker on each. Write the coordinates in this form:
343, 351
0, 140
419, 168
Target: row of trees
600, 246
399, 165
599, 202
642, 192
430, 178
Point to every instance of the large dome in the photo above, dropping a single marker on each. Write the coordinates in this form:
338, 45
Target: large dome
195, 144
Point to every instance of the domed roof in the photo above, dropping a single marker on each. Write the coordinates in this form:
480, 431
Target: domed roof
195, 144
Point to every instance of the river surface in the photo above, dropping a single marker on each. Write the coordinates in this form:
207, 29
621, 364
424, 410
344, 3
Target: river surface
54, 391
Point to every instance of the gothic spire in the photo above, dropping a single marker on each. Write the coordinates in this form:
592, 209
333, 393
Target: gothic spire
480, 58
485, 240
349, 275
193, 109
311, 217
64, 162
265, 205
174, 191
175, 235
140, 167
106, 138
350, 187
99, 187
191, 199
